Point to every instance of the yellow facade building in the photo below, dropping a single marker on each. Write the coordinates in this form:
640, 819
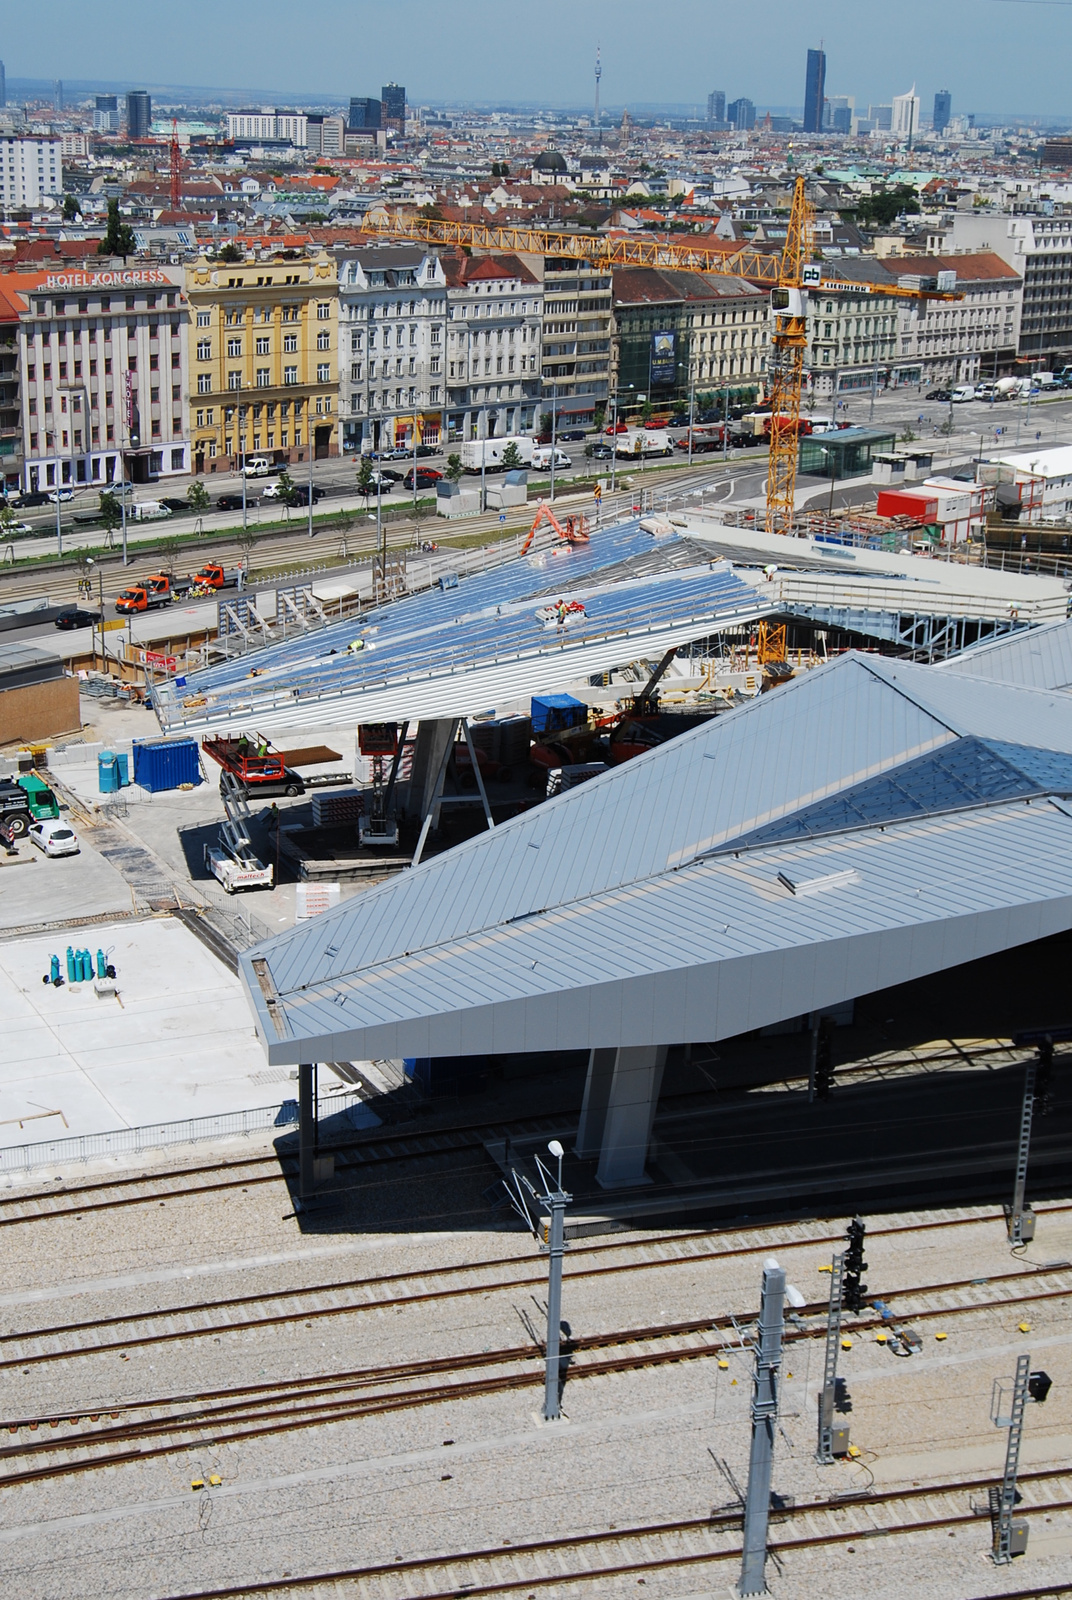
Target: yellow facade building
264, 369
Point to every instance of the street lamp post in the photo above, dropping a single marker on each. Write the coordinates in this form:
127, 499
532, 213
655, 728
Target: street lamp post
829, 454
554, 436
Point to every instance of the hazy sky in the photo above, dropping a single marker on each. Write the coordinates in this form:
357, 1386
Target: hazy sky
995, 55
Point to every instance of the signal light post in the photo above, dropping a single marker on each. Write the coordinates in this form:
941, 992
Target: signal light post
551, 1236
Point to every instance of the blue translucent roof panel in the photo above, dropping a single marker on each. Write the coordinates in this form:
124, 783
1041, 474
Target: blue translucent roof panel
968, 772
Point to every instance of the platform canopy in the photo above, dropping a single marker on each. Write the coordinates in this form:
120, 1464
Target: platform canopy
490, 639
869, 823
1037, 658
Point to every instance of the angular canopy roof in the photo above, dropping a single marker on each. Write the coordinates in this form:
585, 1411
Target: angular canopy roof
867, 823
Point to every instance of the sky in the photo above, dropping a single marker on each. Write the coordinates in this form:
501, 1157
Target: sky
994, 55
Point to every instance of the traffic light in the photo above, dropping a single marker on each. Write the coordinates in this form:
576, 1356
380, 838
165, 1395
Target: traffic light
824, 1058
855, 1267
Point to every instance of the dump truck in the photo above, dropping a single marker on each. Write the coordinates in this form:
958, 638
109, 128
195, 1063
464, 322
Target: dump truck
145, 594
15, 813
44, 807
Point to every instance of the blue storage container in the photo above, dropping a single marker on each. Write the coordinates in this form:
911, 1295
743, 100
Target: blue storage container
122, 761
107, 772
553, 711
165, 763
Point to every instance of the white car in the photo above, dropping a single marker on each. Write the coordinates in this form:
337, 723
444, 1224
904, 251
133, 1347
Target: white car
55, 838
273, 491
61, 496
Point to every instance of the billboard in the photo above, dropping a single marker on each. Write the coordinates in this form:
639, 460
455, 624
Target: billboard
662, 371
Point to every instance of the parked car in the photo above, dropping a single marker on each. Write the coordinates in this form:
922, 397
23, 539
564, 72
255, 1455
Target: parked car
399, 453
61, 496
386, 476
76, 617
426, 479
939, 394
171, 503
233, 502
299, 495
571, 435
257, 467
54, 838
273, 491
30, 499
428, 450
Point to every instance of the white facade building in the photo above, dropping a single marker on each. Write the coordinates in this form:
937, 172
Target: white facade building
30, 169
904, 122
269, 125
392, 340
104, 360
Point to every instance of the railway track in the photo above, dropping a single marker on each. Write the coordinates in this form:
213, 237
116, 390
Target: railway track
250, 1411
276, 1308
147, 1188
583, 1559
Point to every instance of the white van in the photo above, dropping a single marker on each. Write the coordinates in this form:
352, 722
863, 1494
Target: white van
962, 392
543, 453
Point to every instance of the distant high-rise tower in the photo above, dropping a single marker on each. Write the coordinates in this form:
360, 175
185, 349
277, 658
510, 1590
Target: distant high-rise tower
814, 90
943, 110
741, 114
599, 74
905, 118
139, 114
57, 95
716, 107
393, 106
364, 113
3, 85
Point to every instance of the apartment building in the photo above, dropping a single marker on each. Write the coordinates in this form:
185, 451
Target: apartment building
862, 339
104, 374
264, 360
577, 331
11, 310
392, 357
31, 167
494, 317
680, 331
1039, 250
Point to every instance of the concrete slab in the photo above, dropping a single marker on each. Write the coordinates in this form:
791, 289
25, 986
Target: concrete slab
177, 1042
36, 889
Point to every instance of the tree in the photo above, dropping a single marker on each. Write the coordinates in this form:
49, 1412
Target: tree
454, 467
886, 205
286, 490
197, 497
169, 549
431, 213
71, 208
230, 252
909, 434
546, 422
245, 539
111, 513
366, 480
647, 411
118, 236
511, 458
599, 416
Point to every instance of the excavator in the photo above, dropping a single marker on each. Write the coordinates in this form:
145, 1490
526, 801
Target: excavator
575, 531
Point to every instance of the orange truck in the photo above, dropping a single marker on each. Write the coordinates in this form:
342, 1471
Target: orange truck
211, 577
146, 594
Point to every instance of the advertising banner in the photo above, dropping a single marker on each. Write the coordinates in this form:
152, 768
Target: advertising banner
663, 360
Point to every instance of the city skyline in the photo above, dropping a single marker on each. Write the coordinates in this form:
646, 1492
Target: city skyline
998, 70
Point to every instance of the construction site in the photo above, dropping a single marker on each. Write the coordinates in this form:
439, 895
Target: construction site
570, 1024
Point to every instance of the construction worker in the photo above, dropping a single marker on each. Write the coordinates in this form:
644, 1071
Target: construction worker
273, 817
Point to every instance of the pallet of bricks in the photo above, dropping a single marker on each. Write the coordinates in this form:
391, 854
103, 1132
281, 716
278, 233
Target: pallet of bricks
338, 808
503, 739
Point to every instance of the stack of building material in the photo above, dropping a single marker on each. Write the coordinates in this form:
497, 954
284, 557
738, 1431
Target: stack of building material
338, 808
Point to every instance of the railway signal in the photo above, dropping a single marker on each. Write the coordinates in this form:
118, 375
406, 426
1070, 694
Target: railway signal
855, 1266
822, 1074
550, 1235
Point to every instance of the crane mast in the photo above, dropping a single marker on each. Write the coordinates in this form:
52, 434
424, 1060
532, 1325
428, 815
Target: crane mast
789, 338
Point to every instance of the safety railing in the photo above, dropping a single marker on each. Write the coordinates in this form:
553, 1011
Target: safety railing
156, 1136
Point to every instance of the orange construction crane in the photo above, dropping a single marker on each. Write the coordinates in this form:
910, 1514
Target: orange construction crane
789, 339
575, 531
793, 274
176, 168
